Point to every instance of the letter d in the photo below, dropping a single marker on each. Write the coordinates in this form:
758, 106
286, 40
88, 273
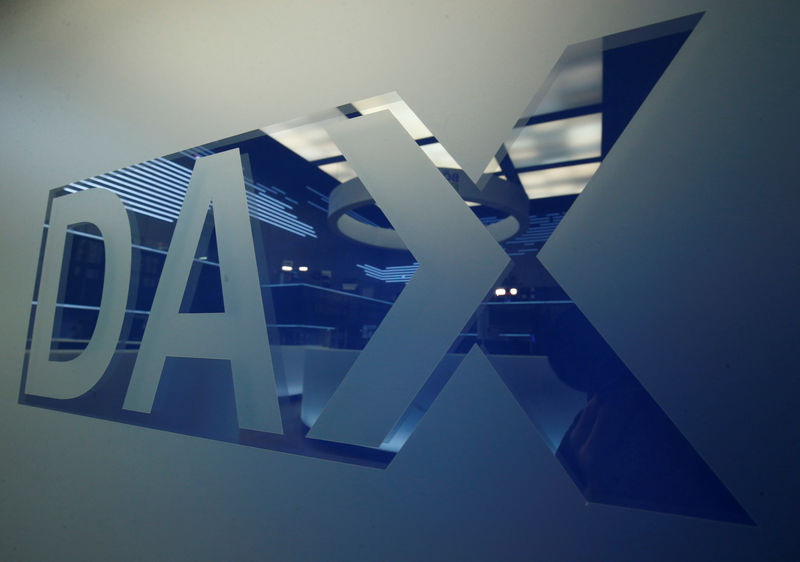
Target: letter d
70, 379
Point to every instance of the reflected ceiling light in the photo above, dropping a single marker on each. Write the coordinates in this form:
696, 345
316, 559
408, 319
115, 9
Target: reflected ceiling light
439, 156
286, 268
557, 141
391, 274
499, 292
156, 188
302, 268
575, 81
512, 291
493, 167
316, 118
341, 171
554, 182
309, 141
307, 136
392, 101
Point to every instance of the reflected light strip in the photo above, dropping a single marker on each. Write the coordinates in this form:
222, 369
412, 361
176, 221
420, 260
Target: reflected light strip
320, 207
91, 307
540, 229
173, 169
514, 303
148, 174
130, 204
305, 326
147, 313
134, 193
141, 212
135, 246
278, 217
392, 274
362, 218
262, 191
323, 196
157, 188
327, 289
269, 202
165, 192
197, 152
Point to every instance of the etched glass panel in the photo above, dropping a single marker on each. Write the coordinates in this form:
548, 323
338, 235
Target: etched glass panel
316, 283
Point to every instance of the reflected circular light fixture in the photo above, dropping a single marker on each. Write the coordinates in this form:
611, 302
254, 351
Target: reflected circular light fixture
498, 194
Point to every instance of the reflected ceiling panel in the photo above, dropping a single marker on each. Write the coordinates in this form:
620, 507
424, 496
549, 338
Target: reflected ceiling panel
306, 136
576, 81
558, 141
341, 171
391, 101
554, 182
309, 141
439, 156
493, 167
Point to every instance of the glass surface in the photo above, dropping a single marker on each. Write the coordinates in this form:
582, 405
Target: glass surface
324, 295
562, 140
554, 182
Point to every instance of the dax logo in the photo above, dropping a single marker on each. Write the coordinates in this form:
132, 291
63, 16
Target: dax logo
124, 329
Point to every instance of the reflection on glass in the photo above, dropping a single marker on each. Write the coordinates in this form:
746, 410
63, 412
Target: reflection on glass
563, 140
621, 447
555, 182
404, 114
439, 156
309, 141
493, 167
576, 81
325, 295
340, 171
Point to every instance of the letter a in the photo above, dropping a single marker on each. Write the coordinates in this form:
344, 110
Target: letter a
240, 333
